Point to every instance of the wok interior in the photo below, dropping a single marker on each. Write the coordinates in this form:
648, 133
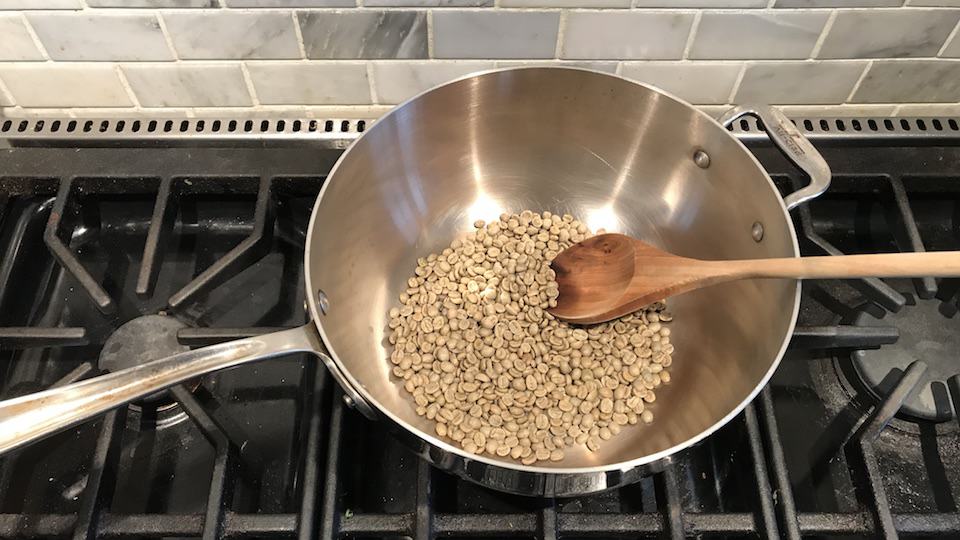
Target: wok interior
612, 153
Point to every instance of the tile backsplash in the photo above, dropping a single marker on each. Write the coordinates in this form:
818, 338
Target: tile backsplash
200, 57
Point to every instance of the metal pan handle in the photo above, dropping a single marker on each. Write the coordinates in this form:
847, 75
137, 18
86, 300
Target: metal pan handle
31, 417
793, 145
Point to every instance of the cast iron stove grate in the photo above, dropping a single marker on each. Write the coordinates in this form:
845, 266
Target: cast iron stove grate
93, 238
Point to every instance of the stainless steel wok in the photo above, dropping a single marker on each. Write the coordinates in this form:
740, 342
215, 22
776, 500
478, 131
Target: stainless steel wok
616, 154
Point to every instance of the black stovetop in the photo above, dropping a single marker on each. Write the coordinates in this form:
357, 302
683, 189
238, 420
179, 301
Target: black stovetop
212, 237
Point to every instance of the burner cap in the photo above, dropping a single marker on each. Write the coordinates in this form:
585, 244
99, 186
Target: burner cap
140, 341
926, 334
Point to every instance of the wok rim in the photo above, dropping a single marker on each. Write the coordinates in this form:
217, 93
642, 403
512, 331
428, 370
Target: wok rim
317, 315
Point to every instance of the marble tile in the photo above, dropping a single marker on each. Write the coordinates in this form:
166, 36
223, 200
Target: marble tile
15, 41
220, 35
825, 111
714, 111
188, 85
952, 50
934, 3
429, 3
591, 4
836, 3
625, 35
319, 83
364, 34
798, 83
495, 34
607, 67
40, 4
916, 81
888, 34
4, 100
716, 4
704, 83
79, 36
929, 109
154, 3
397, 81
289, 3
51, 85
729, 36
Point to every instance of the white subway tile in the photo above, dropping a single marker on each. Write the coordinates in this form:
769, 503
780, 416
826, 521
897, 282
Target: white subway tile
397, 81
929, 109
888, 33
823, 111
82, 36
934, 3
729, 36
188, 85
40, 4
322, 83
289, 3
495, 34
632, 35
428, 3
915, 81
368, 33
592, 4
836, 3
714, 110
15, 41
221, 35
608, 67
952, 50
798, 82
153, 3
697, 82
51, 85
714, 4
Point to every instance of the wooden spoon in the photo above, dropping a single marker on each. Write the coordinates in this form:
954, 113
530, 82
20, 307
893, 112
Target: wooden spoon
610, 275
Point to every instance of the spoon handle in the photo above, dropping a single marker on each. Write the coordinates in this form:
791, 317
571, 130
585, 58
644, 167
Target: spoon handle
931, 264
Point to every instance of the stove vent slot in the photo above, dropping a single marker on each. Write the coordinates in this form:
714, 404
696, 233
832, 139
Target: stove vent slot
339, 132
178, 127
858, 127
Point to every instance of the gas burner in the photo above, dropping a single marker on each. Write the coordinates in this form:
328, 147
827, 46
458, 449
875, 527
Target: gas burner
927, 335
137, 342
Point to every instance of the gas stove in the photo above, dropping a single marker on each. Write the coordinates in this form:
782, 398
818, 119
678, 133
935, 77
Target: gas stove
123, 240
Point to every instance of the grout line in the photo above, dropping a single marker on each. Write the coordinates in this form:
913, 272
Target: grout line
430, 45
950, 37
299, 34
856, 85
126, 86
374, 95
561, 34
694, 27
737, 82
249, 82
4, 91
33, 35
823, 34
166, 36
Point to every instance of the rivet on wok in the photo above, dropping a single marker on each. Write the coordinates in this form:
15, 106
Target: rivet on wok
348, 401
756, 231
322, 301
702, 159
